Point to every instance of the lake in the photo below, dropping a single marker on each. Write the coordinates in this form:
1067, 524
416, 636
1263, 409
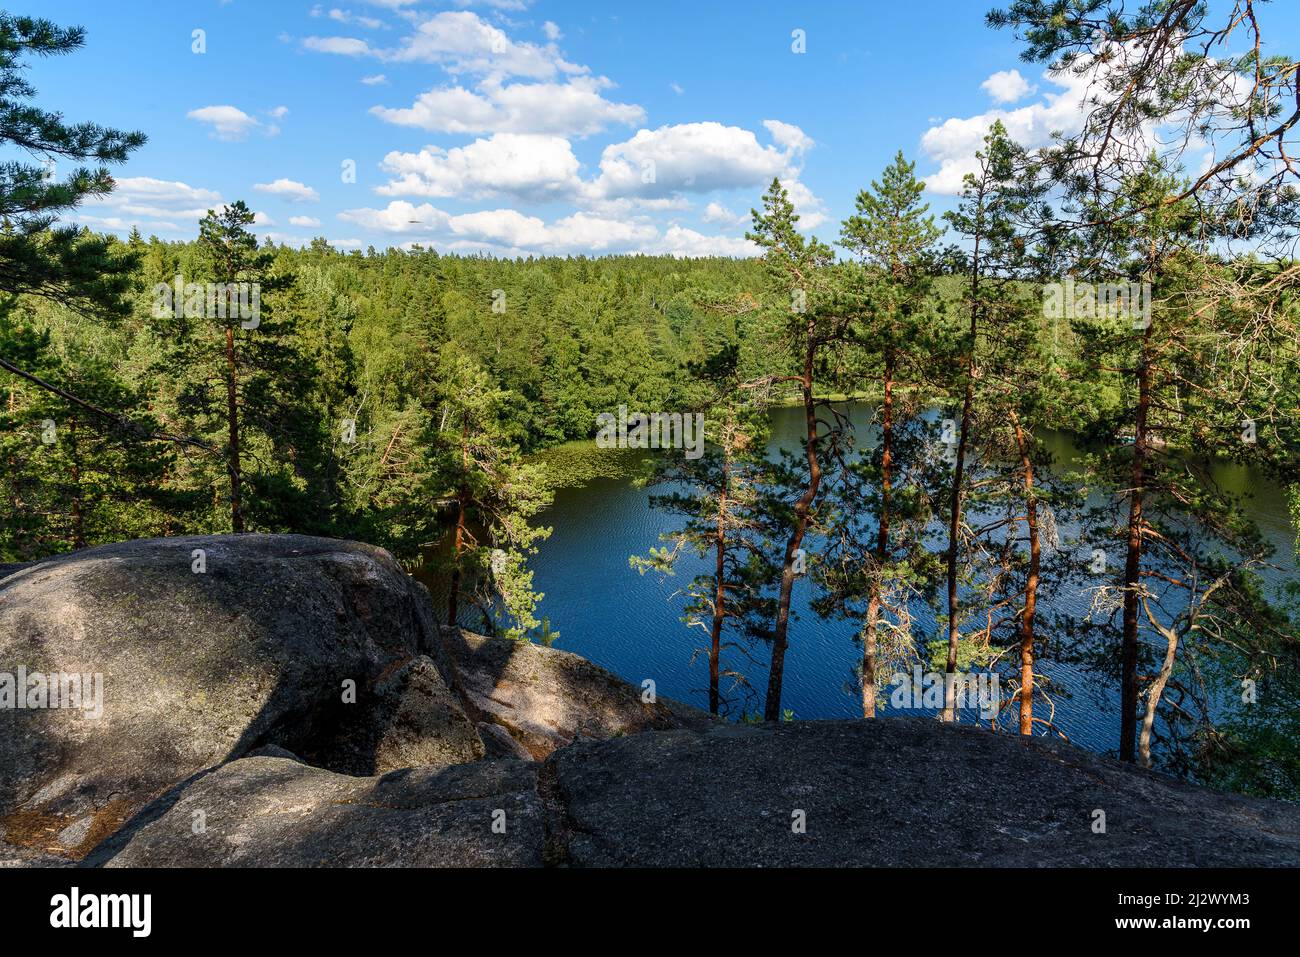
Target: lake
631, 623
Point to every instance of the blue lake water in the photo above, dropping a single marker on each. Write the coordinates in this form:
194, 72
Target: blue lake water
631, 623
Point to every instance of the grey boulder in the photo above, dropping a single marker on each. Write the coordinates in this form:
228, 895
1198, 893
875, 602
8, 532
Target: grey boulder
270, 810
210, 647
546, 698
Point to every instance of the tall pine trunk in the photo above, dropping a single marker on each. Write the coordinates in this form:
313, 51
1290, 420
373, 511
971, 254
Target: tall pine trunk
1031, 585
1133, 559
720, 590
78, 517
233, 464
453, 595
955, 503
458, 540
869, 642
802, 509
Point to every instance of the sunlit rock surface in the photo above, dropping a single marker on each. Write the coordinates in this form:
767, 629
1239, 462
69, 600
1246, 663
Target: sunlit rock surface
545, 698
271, 810
199, 667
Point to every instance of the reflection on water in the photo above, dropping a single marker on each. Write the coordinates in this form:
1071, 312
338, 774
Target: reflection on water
631, 623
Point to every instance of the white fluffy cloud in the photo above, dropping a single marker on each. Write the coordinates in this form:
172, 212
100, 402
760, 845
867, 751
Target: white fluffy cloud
680, 241
580, 231
146, 196
812, 211
703, 158
460, 42
399, 218
953, 143
494, 4
788, 136
499, 84
347, 16
1007, 86
531, 167
692, 157
575, 107
655, 170
715, 212
343, 46
289, 189
152, 205
524, 105
227, 122
304, 222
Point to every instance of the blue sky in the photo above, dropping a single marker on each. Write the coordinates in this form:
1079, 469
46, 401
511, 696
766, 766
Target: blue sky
536, 126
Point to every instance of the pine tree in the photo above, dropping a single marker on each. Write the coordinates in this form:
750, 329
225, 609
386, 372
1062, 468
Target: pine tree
1218, 357
796, 273
983, 217
64, 263
718, 495
72, 478
1021, 392
494, 496
894, 235
234, 368
1190, 558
